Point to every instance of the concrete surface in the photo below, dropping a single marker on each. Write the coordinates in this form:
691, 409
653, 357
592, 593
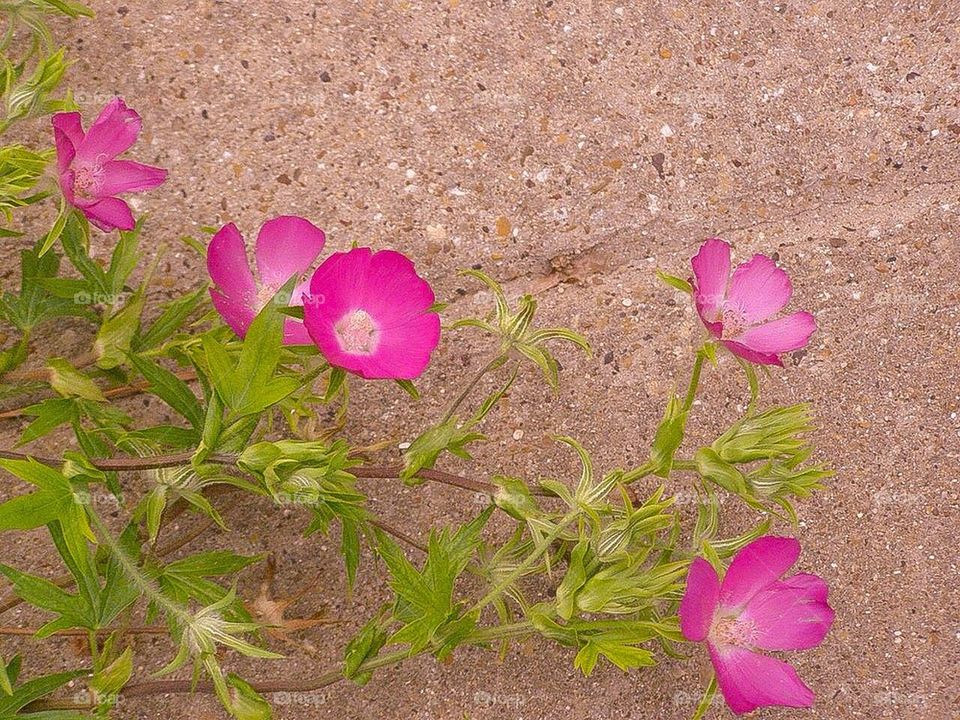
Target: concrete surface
570, 149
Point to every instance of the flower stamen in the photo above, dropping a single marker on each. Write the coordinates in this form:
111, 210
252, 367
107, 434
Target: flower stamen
357, 333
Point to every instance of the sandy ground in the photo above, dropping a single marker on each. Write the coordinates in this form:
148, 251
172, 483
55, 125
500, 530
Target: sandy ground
570, 148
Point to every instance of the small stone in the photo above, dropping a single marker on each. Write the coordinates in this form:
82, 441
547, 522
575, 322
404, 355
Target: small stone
666, 131
325, 76
503, 226
657, 161
665, 53
518, 434
284, 179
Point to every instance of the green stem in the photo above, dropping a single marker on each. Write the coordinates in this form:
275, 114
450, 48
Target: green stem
706, 700
130, 569
329, 677
631, 476
694, 381
494, 363
94, 648
518, 571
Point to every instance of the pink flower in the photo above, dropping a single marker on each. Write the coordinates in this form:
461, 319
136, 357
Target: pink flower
90, 176
734, 309
755, 610
369, 313
286, 246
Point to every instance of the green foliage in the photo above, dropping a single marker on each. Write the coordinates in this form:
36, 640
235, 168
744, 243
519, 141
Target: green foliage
450, 435
425, 605
20, 171
514, 329
251, 385
25, 693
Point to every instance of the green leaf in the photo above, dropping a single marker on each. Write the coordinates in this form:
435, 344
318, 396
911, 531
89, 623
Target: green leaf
211, 563
124, 258
334, 382
34, 690
49, 415
7, 677
514, 498
171, 319
408, 387
713, 468
72, 610
70, 8
70, 382
114, 676
425, 597
668, 437
245, 702
117, 332
169, 388
364, 646
75, 241
707, 700
53, 498
675, 282
57, 230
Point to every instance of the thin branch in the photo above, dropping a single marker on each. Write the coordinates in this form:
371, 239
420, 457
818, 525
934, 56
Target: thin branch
121, 391
83, 632
43, 374
152, 462
399, 534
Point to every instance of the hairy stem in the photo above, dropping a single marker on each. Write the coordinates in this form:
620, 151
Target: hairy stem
330, 676
694, 381
153, 462
495, 362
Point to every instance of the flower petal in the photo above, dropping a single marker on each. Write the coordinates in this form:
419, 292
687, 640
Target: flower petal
294, 331
785, 334
788, 616
749, 680
711, 270
109, 213
236, 314
228, 266
815, 585
755, 567
758, 289
753, 356
404, 350
699, 600
385, 286
67, 135
127, 176
286, 246
113, 132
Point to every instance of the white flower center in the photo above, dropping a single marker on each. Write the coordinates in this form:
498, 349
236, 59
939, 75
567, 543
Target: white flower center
737, 631
357, 333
